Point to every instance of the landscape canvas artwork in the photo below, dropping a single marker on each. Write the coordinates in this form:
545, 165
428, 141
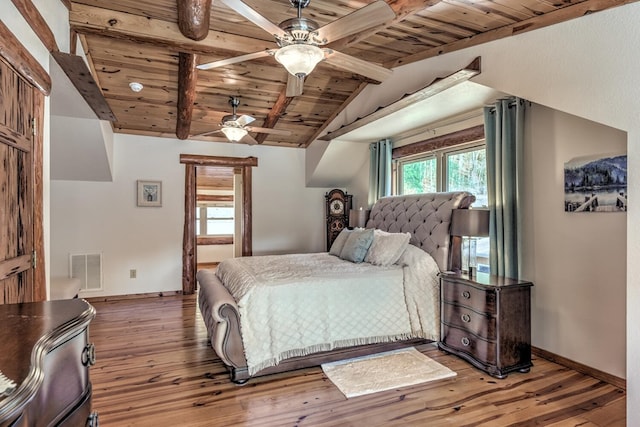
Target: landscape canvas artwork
596, 184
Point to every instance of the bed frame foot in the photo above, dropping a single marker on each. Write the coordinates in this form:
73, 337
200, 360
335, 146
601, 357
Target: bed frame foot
240, 376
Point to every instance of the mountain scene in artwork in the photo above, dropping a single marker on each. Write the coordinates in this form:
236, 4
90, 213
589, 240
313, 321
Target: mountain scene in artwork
596, 184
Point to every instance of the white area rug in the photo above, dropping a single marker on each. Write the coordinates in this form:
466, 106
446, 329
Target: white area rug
384, 371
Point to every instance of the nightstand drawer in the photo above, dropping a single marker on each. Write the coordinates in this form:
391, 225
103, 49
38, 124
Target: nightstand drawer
466, 342
465, 318
480, 300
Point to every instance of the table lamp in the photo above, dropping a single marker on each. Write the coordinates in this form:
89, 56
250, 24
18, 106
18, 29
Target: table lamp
470, 224
358, 218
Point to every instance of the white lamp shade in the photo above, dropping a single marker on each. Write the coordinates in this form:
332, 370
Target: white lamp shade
299, 59
234, 134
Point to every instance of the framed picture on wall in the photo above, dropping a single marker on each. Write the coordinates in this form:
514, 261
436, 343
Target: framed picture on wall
150, 193
596, 184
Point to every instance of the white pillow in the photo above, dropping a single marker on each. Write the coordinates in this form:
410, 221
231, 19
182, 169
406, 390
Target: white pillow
387, 248
338, 243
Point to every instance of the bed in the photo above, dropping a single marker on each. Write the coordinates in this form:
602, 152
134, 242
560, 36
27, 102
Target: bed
269, 314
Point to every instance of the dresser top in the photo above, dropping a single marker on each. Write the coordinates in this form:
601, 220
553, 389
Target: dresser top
485, 280
29, 331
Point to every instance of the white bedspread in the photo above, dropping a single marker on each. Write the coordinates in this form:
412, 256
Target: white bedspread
294, 305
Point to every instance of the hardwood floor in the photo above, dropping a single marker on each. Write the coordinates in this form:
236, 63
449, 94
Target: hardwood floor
154, 368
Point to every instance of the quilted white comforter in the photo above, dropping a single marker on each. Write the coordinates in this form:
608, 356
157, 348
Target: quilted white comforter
294, 305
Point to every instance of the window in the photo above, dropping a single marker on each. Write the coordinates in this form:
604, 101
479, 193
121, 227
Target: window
448, 169
213, 220
454, 168
419, 176
466, 170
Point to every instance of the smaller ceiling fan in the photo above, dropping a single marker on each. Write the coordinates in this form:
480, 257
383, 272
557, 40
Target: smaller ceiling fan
235, 127
299, 40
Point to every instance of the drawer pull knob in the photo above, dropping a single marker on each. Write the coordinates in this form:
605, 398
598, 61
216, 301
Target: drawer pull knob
466, 318
466, 294
89, 355
465, 341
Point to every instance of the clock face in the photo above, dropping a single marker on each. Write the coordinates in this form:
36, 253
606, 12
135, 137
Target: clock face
337, 207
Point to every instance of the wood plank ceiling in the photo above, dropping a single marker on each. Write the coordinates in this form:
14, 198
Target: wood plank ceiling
140, 40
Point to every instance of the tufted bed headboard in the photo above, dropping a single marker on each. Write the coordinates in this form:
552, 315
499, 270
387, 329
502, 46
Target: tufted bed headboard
427, 217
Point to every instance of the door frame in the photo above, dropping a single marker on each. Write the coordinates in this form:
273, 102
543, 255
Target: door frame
189, 245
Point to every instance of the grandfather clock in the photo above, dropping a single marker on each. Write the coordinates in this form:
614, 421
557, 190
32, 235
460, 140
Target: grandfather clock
337, 206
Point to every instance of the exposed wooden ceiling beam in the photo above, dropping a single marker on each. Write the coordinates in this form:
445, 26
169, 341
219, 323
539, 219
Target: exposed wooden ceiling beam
566, 13
37, 23
402, 8
279, 107
194, 17
438, 86
187, 79
76, 69
108, 23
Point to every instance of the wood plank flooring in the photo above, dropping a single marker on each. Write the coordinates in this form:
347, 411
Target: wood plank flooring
154, 368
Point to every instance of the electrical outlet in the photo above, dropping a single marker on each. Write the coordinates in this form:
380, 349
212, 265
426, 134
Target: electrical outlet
132, 274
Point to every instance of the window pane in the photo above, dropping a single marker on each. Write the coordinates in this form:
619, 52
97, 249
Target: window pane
420, 176
218, 226
219, 212
467, 171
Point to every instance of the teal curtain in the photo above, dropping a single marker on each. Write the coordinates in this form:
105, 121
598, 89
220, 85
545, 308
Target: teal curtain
504, 133
379, 170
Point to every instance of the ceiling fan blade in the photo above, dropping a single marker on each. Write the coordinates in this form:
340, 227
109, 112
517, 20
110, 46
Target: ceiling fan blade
253, 16
248, 139
373, 14
244, 120
207, 133
295, 85
234, 60
268, 130
358, 66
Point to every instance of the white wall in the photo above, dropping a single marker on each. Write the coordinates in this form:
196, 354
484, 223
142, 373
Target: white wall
577, 261
103, 216
214, 253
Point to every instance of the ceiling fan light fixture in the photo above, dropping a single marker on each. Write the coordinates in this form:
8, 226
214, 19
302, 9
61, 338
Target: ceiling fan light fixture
234, 134
299, 59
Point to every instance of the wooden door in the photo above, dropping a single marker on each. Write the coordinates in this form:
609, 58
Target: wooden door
17, 249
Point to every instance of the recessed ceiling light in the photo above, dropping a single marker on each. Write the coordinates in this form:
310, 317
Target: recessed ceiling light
135, 86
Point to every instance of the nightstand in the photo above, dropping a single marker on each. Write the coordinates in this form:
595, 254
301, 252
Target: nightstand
486, 320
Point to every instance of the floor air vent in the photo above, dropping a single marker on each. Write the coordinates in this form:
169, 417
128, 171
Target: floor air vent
87, 268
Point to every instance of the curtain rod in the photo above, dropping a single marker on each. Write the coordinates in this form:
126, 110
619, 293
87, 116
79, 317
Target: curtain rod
511, 104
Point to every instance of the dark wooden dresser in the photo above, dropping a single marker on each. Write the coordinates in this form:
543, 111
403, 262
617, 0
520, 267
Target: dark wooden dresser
46, 353
487, 321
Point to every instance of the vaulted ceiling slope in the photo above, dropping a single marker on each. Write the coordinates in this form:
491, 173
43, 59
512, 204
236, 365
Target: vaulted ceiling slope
141, 40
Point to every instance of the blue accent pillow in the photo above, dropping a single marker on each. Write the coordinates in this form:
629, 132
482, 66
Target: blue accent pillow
357, 245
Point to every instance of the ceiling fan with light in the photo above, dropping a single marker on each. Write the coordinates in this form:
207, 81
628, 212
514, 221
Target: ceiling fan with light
235, 127
299, 40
